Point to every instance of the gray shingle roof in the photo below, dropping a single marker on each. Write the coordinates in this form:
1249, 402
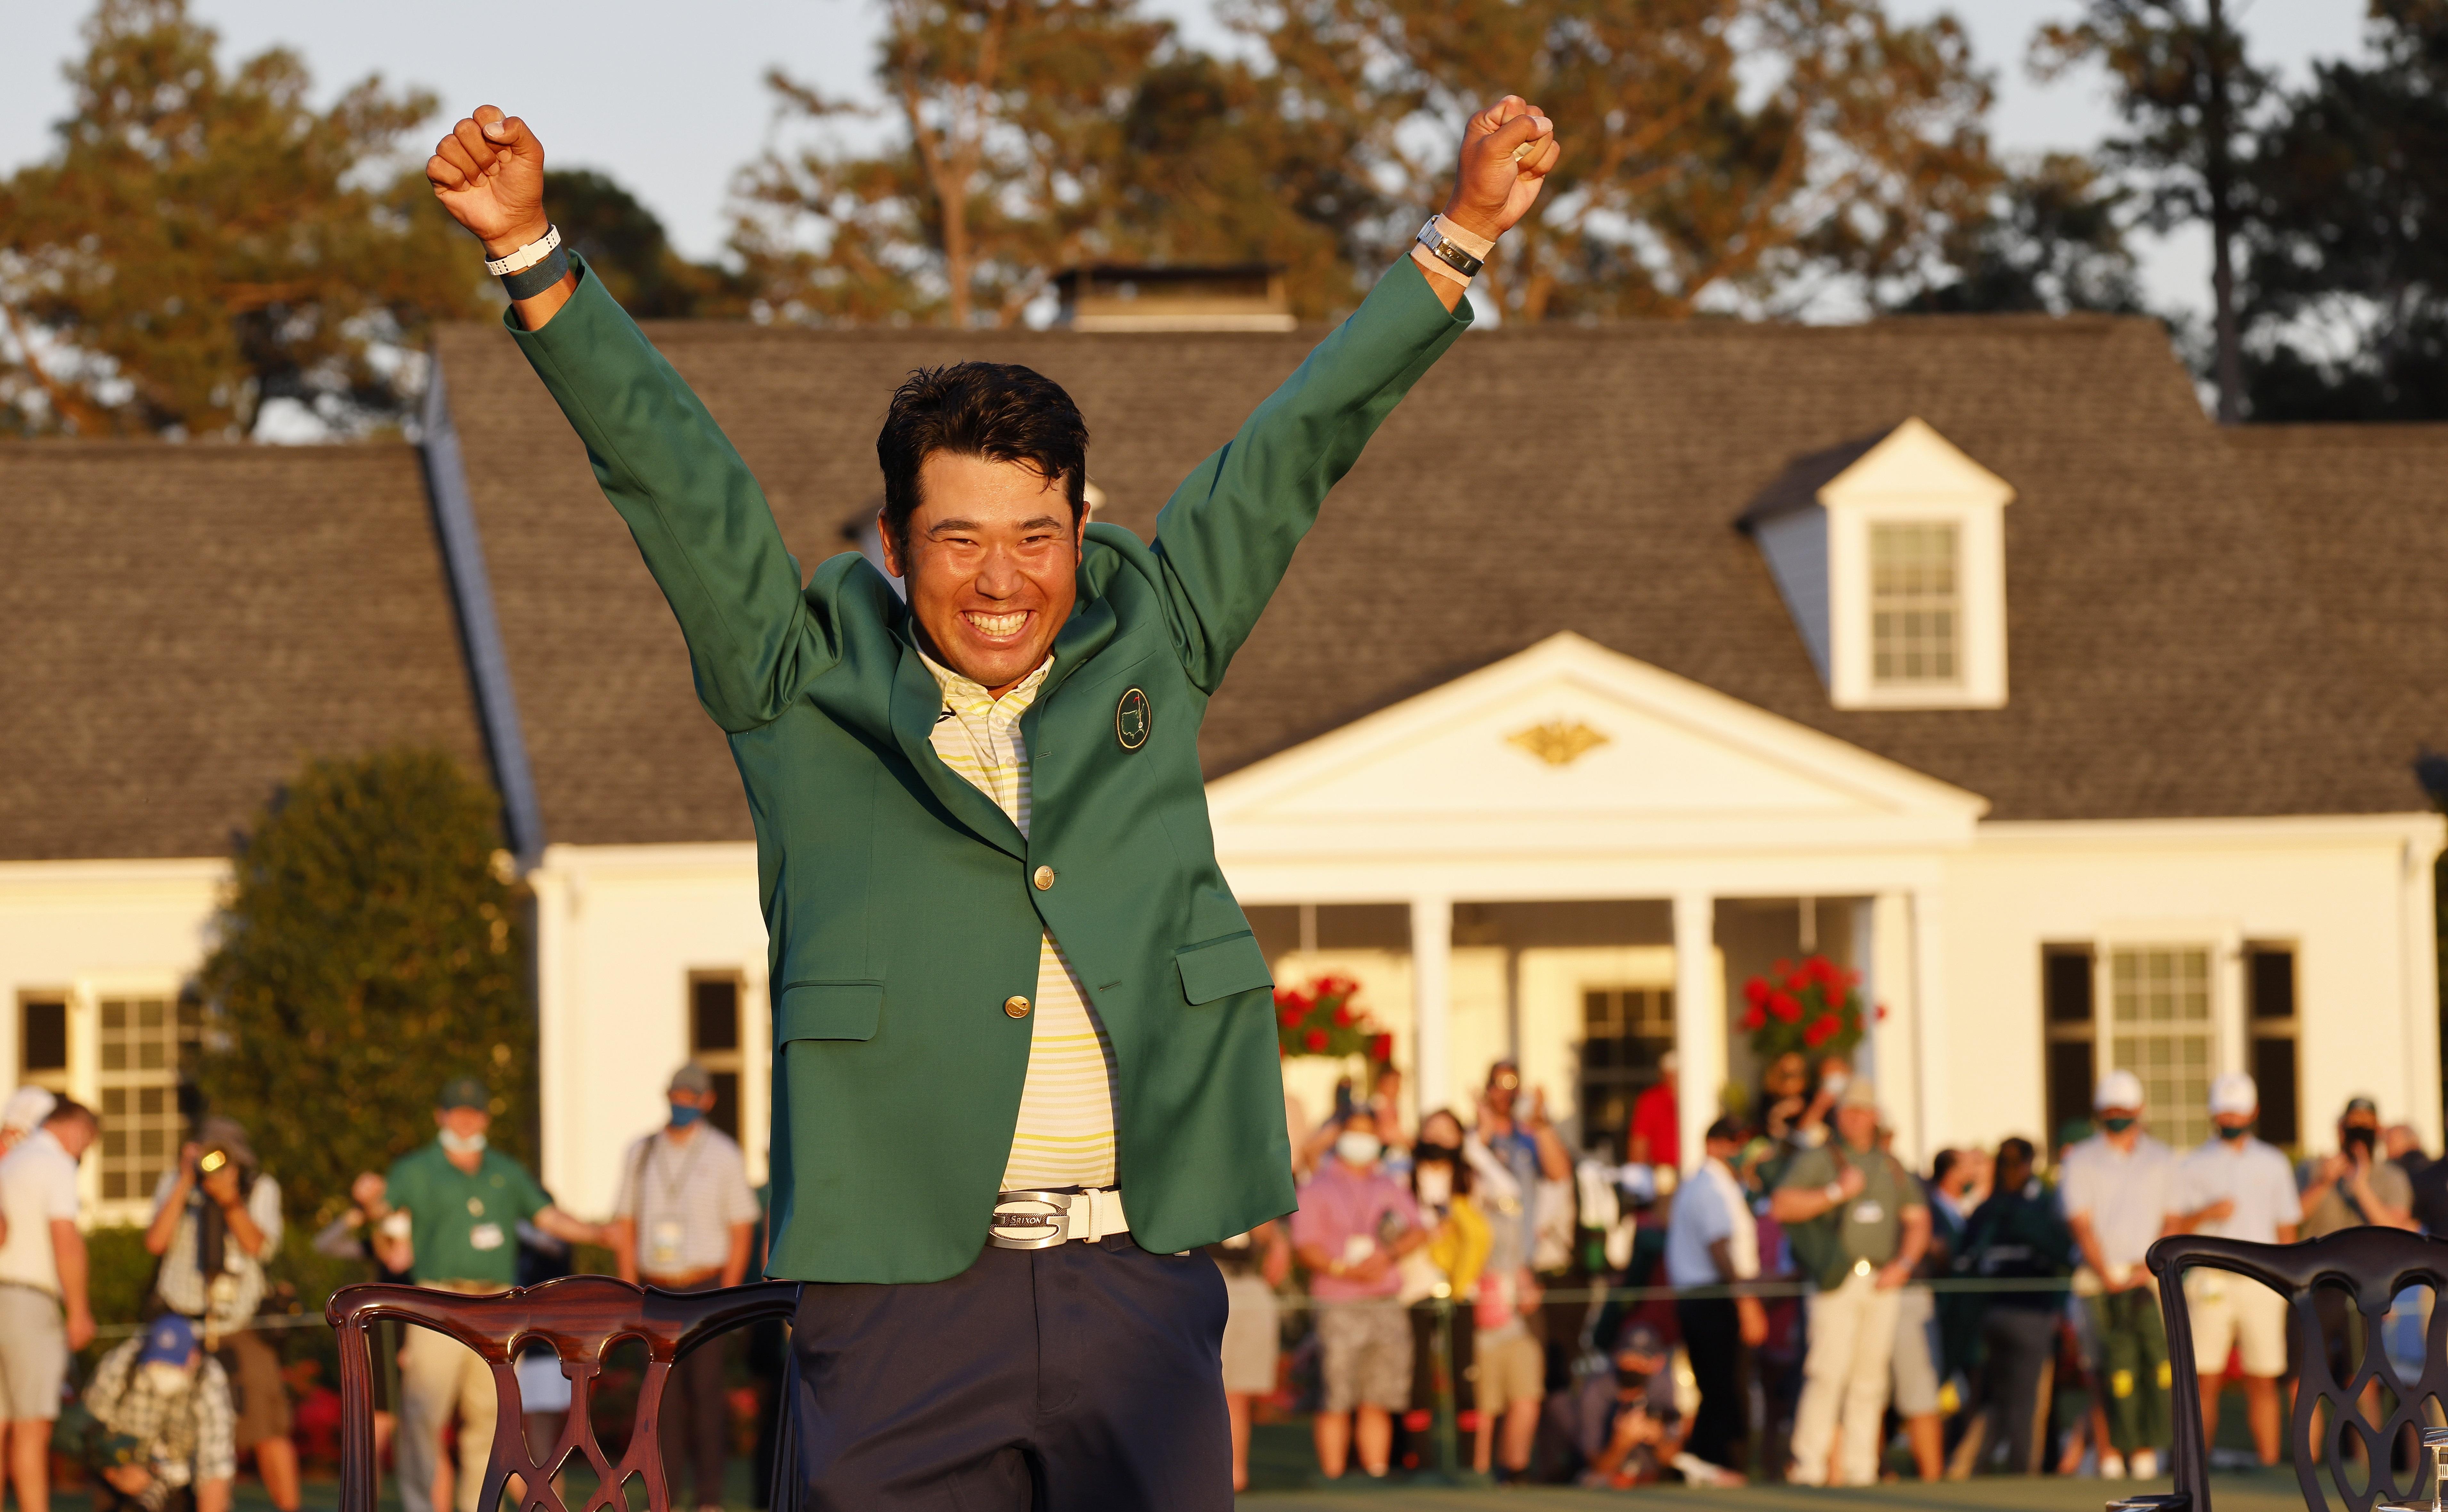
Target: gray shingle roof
186, 625
2189, 632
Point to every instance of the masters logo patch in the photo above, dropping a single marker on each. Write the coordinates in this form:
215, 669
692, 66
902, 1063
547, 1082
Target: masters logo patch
1133, 722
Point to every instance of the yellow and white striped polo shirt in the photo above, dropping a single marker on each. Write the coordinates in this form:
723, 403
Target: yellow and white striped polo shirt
1065, 1134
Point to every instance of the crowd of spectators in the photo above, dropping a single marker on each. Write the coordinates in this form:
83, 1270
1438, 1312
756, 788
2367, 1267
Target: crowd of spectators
160, 1420
1795, 1302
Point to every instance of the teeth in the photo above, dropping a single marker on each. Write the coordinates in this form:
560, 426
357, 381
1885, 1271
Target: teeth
999, 624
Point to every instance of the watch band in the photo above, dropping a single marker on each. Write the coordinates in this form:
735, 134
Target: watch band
526, 257
1447, 251
532, 280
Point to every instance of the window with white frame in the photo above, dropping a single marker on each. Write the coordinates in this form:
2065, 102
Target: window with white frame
2160, 1028
1916, 604
143, 1044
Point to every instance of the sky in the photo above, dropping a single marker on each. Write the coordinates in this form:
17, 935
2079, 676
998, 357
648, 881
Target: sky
671, 110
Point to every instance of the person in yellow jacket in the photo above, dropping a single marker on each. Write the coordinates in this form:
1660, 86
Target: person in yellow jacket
1459, 1235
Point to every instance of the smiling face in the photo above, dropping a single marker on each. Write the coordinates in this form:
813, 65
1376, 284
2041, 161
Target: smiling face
992, 558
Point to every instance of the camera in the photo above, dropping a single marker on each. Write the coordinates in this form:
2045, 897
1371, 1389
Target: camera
211, 1160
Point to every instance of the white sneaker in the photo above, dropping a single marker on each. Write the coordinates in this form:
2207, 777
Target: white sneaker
2112, 1465
2146, 1464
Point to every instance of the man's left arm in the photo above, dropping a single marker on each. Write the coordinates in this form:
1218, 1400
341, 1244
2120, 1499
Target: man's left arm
1227, 536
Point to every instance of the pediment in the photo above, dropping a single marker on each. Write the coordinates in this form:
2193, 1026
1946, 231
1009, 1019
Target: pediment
1913, 462
1569, 741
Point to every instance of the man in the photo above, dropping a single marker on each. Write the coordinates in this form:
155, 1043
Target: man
1005, 959
2356, 1186
1355, 1225
1657, 1135
1959, 1182
2017, 1233
2119, 1190
2405, 1148
164, 1408
216, 1220
1712, 1240
1918, 1369
459, 1203
1509, 1356
1857, 1226
1637, 1432
2237, 1187
681, 1222
42, 1273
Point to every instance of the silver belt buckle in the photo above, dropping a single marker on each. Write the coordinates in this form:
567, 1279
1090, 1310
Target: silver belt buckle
1041, 1219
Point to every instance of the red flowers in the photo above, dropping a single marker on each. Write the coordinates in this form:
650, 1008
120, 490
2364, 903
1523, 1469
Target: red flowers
1809, 1005
1324, 1018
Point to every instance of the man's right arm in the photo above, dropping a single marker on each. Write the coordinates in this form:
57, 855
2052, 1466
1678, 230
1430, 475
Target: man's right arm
698, 517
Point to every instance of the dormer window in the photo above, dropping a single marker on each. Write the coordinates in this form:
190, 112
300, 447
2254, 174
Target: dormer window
1915, 607
1889, 552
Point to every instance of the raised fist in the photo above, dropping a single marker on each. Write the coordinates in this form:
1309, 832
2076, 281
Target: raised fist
1507, 151
488, 173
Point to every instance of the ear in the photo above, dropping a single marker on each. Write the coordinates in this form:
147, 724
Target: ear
892, 563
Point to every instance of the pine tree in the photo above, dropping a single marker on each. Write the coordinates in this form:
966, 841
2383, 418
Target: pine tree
372, 948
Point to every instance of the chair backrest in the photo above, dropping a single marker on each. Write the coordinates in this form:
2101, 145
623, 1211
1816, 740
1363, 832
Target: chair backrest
2364, 1268
580, 1318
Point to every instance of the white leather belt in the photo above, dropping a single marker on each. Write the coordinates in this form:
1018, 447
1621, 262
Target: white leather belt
1039, 1220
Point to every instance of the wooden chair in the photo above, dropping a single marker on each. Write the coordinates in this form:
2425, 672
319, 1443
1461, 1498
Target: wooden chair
581, 1318
2366, 1267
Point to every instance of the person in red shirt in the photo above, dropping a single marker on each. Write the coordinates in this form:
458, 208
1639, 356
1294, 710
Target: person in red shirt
1656, 1129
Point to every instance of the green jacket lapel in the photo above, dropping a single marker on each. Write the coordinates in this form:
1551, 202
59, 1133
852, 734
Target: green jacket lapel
917, 699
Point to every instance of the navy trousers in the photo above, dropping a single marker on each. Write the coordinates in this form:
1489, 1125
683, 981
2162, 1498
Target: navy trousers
1081, 1378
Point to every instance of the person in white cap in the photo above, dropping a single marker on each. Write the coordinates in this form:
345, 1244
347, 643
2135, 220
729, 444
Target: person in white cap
2237, 1187
2119, 1188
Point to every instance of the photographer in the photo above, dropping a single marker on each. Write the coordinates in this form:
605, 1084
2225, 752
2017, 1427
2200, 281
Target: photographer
2356, 1186
216, 1220
161, 1414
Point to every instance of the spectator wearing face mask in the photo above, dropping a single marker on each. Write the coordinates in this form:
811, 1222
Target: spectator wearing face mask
166, 1424
2237, 1187
457, 1203
681, 1222
1355, 1225
2356, 1186
1458, 1236
2017, 1233
2120, 1188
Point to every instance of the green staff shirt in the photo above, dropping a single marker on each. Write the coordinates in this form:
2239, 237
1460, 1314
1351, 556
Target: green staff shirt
462, 1225
1871, 1226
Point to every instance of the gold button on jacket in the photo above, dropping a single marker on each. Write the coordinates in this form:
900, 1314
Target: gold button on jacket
1017, 1007
1043, 878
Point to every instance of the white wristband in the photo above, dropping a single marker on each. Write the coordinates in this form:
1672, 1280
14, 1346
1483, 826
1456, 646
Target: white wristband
1477, 246
526, 257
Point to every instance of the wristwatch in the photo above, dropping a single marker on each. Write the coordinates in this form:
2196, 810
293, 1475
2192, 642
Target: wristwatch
1835, 1191
1447, 251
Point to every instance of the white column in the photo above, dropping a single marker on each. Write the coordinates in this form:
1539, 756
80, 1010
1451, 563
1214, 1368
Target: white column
2422, 991
1929, 1024
1432, 1004
555, 903
1699, 1019
1888, 982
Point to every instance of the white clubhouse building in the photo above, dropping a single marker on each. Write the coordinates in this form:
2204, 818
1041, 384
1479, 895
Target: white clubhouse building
1963, 651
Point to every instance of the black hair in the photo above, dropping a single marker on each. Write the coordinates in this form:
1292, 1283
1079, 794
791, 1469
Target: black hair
68, 1109
2015, 1148
1727, 1129
997, 410
1943, 1161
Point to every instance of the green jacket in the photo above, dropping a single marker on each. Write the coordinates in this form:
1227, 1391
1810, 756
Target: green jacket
896, 896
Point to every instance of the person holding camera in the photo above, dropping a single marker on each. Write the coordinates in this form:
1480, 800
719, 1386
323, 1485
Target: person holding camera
2356, 1186
162, 1422
216, 1221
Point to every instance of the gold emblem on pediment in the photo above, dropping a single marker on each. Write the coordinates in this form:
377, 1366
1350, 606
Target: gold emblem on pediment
1558, 742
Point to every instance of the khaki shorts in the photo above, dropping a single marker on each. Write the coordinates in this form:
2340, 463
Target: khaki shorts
1251, 1334
2234, 1311
1508, 1368
1367, 1348
34, 1355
